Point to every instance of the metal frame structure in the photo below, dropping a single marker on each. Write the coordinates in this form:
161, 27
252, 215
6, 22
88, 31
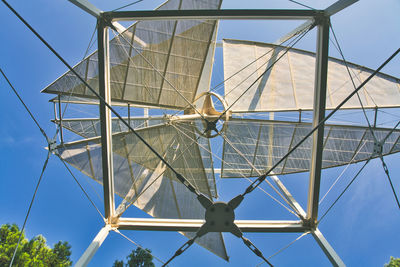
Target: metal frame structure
308, 222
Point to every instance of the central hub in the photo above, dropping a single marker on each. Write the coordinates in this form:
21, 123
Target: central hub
220, 217
213, 119
211, 126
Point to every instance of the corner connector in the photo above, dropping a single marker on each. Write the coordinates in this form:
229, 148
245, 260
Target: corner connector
310, 224
321, 18
114, 222
105, 20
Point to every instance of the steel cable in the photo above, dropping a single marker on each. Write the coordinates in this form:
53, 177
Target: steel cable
80, 186
30, 206
25, 106
131, 4
345, 189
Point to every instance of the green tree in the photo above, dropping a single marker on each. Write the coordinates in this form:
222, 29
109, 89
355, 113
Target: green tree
34, 252
394, 262
137, 258
118, 263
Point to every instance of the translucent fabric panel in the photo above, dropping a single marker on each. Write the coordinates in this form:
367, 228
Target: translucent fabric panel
89, 128
289, 83
206, 156
150, 190
262, 144
154, 63
178, 147
188, 132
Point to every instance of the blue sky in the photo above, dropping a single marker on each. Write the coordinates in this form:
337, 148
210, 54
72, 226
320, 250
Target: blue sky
363, 226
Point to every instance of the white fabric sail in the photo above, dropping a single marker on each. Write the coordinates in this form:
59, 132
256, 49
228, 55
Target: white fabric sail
142, 179
289, 84
167, 68
264, 143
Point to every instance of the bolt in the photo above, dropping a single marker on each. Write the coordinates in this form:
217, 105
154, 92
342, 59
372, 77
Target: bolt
226, 223
212, 209
227, 209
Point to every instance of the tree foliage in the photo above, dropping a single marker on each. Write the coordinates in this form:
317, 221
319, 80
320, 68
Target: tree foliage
137, 258
394, 262
34, 252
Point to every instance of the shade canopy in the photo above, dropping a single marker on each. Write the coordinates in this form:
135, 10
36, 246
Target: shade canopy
289, 83
153, 63
263, 143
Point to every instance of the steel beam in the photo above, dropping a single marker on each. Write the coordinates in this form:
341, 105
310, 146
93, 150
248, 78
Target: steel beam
193, 225
294, 32
328, 250
88, 7
338, 6
93, 247
105, 120
264, 14
321, 74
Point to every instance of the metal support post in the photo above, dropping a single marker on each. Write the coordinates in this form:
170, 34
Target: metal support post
321, 70
93, 247
106, 120
328, 250
299, 115
60, 116
376, 116
129, 114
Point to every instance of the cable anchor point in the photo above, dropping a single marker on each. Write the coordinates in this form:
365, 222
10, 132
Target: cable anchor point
52, 146
378, 148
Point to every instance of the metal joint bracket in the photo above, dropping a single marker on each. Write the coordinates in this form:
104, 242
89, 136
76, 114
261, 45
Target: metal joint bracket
106, 21
311, 224
114, 221
220, 217
321, 18
52, 146
378, 146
